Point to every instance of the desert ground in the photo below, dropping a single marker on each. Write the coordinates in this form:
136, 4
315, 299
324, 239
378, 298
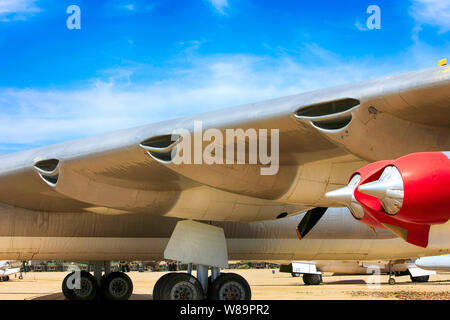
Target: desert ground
265, 285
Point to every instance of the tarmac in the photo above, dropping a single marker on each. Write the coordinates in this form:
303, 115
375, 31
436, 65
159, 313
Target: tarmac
265, 285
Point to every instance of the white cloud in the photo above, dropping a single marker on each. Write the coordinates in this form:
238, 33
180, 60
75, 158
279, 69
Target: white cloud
219, 5
432, 12
129, 7
11, 10
31, 117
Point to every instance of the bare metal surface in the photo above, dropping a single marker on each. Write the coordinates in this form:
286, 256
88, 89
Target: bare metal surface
411, 111
110, 192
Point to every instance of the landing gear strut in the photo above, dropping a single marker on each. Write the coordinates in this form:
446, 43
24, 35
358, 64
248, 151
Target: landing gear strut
81, 285
391, 279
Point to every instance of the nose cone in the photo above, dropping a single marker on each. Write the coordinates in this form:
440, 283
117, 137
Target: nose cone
388, 189
377, 189
343, 195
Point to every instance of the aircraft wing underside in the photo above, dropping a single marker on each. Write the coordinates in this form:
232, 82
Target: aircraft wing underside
324, 136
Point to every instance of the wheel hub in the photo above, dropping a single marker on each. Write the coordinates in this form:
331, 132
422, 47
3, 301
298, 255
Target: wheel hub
85, 288
118, 287
232, 291
183, 291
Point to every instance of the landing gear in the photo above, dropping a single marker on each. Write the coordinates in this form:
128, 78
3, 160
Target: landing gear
391, 279
202, 245
420, 278
81, 285
312, 279
183, 286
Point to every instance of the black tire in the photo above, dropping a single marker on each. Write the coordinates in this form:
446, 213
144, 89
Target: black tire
182, 286
117, 286
420, 278
66, 291
230, 286
312, 279
392, 281
89, 287
159, 285
6, 278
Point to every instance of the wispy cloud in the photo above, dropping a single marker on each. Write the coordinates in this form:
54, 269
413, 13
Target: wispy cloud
129, 7
31, 117
13, 10
219, 5
432, 12
135, 6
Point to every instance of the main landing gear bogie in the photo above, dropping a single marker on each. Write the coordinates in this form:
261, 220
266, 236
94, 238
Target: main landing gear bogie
183, 286
82, 285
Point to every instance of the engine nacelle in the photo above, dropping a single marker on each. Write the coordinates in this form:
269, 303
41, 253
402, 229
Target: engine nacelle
405, 195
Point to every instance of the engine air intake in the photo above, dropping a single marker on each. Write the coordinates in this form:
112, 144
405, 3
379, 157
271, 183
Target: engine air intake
327, 108
48, 170
161, 147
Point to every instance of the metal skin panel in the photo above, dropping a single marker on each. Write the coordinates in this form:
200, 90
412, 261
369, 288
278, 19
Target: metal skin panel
410, 111
417, 272
28, 235
111, 201
198, 243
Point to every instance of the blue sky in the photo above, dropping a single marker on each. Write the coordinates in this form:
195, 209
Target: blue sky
135, 62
